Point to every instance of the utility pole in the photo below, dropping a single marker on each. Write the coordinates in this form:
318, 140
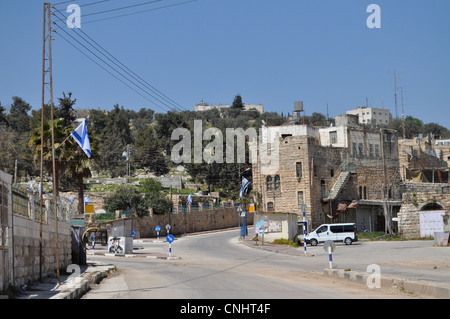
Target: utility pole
41, 257
47, 40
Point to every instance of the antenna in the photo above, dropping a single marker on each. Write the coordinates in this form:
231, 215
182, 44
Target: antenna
403, 114
395, 94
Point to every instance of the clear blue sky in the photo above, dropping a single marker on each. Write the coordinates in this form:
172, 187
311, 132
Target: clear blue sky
271, 52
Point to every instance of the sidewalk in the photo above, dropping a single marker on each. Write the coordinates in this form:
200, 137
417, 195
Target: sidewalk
423, 287
69, 288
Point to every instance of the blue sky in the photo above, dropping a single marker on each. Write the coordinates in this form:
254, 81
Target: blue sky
271, 52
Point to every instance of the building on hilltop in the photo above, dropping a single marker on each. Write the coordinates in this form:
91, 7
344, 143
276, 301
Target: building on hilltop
371, 115
205, 107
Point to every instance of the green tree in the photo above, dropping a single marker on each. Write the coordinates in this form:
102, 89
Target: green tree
148, 153
18, 117
159, 203
65, 109
70, 159
127, 198
3, 116
237, 102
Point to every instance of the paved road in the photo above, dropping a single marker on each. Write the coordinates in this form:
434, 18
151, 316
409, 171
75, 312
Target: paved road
218, 266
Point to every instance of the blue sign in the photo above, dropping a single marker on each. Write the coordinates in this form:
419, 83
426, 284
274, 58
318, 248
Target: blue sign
170, 239
157, 228
133, 233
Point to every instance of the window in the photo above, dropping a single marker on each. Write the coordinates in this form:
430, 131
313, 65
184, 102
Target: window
354, 150
360, 149
322, 229
270, 207
298, 169
371, 153
333, 137
300, 198
276, 182
377, 150
332, 172
269, 183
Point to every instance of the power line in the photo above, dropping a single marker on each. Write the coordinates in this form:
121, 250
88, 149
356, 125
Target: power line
84, 5
140, 80
127, 7
142, 11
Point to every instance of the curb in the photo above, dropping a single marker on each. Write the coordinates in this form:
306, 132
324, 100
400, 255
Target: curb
425, 288
83, 285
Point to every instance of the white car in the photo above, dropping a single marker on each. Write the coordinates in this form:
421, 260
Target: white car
335, 232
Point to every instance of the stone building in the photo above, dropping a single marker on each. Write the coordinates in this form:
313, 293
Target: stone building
424, 160
342, 174
425, 210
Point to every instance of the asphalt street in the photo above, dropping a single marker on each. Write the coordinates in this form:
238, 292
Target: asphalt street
218, 265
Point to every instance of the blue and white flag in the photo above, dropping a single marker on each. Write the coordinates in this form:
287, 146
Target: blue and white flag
244, 186
86, 199
39, 188
190, 199
80, 135
31, 186
71, 199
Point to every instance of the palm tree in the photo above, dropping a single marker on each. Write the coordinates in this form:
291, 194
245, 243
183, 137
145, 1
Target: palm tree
35, 144
70, 158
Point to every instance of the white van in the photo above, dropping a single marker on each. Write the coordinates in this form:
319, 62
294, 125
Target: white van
335, 232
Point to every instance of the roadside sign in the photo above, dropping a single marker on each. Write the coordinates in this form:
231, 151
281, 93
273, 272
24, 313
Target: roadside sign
329, 244
243, 213
170, 239
133, 233
157, 228
167, 227
89, 209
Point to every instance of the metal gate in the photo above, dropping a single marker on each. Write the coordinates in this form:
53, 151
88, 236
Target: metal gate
431, 222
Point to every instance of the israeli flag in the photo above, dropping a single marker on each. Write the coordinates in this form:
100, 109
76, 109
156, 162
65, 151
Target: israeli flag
86, 199
190, 199
31, 186
244, 186
80, 135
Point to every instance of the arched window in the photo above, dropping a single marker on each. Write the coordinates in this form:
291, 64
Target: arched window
276, 182
270, 207
269, 183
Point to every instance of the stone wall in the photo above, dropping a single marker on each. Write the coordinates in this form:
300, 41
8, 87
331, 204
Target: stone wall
26, 248
196, 221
